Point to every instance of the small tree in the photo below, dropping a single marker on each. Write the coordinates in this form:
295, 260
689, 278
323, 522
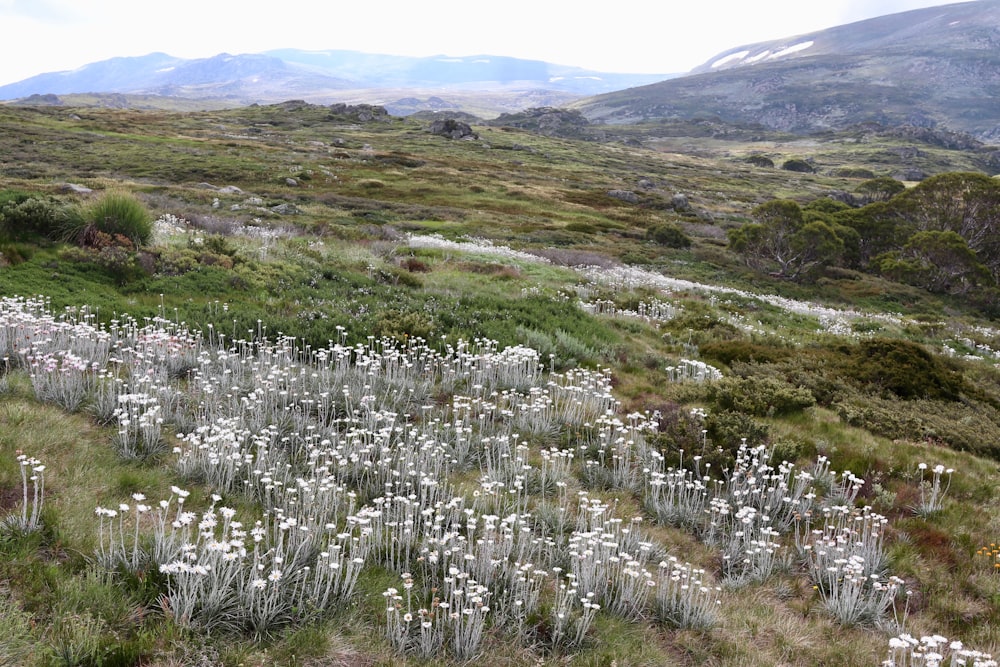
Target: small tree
781, 242
939, 262
879, 189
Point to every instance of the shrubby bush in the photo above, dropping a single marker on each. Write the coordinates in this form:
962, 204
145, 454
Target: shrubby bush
668, 235
972, 427
902, 368
761, 161
798, 165
27, 216
760, 396
726, 430
729, 351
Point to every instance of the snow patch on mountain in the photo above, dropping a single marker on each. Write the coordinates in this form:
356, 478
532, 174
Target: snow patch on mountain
739, 55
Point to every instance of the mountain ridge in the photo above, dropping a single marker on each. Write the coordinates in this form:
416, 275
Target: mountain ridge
321, 76
935, 67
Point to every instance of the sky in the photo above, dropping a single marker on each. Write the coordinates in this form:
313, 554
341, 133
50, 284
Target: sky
627, 36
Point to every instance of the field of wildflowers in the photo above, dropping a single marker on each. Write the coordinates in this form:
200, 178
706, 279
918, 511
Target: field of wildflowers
347, 425
446, 467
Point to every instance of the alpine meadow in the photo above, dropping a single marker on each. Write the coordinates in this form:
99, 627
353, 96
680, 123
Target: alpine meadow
311, 384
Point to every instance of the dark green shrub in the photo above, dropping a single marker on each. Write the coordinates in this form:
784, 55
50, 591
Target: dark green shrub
853, 172
798, 165
115, 214
761, 161
972, 427
879, 189
668, 235
761, 396
396, 276
678, 428
903, 368
726, 430
218, 245
729, 351
121, 263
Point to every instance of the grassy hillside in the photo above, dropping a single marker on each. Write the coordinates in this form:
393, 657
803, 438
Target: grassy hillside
371, 396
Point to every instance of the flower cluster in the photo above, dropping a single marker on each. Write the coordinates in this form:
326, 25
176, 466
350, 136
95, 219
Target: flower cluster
32, 495
933, 651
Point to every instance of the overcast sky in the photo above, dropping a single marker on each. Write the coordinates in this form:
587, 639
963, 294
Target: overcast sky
655, 36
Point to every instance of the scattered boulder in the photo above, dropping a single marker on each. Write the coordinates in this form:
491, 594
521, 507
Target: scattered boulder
624, 195
452, 129
231, 190
547, 121
291, 182
76, 189
363, 113
286, 209
910, 175
679, 202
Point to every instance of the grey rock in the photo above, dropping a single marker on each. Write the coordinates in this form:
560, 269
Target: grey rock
679, 202
624, 195
453, 129
286, 209
910, 175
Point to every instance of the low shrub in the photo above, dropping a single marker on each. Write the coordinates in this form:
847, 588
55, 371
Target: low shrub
581, 227
800, 166
28, 216
972, 427
904, 369
668, 235
726, 430
761, 161
759, 396
729, 351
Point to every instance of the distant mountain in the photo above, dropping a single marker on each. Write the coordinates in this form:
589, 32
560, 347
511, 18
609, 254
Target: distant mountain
323, 76
468, 72
935, 67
